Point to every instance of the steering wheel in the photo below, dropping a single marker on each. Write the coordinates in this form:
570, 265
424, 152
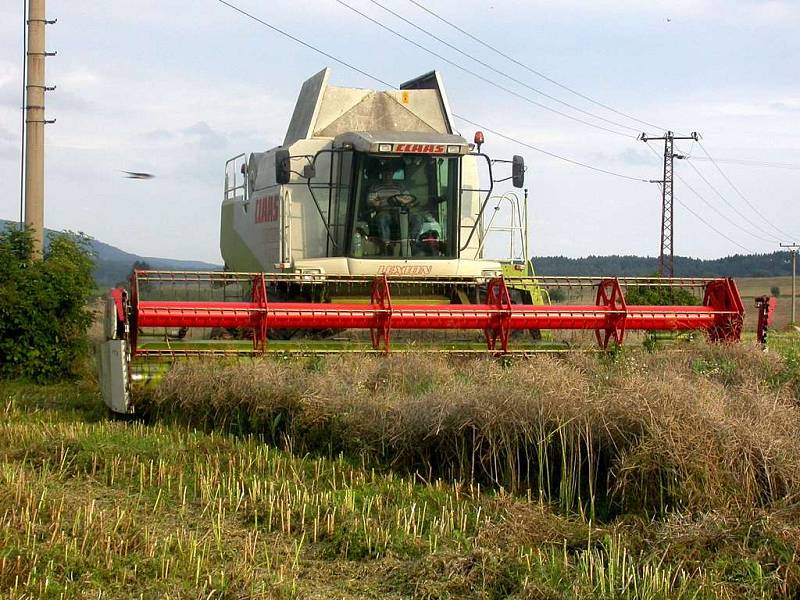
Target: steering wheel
394, 200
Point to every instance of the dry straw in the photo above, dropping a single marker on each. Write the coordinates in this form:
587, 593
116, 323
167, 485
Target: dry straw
698, 428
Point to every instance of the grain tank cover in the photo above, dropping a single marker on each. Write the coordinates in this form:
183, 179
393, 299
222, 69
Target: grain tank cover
326, 111
403, 142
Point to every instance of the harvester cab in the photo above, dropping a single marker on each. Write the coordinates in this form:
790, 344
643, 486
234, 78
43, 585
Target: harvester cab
391, 199
366, 183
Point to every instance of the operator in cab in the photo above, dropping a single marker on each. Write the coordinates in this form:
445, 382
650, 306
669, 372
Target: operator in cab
386, 197
402, 193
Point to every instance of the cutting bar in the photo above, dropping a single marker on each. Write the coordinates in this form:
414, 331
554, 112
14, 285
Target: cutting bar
721, 315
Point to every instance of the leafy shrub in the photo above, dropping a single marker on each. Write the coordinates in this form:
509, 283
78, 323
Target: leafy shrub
657, 295
775, 291
43, 313
660, 296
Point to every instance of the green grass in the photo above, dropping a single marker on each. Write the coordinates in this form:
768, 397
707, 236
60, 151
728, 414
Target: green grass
162, 509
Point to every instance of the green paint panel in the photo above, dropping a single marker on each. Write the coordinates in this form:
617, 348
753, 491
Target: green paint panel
237, 255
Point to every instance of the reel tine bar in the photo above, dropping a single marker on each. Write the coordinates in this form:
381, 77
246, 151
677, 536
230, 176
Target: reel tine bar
721, 314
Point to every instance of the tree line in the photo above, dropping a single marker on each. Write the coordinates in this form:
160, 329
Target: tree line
774, 264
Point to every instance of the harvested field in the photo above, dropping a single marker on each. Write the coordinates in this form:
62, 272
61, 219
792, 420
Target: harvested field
751, 287
667, 475
695, 428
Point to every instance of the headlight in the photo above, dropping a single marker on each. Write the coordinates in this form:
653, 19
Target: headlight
489, 273
310, 274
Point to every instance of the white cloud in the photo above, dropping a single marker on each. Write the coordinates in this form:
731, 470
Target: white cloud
78, 77
10, 86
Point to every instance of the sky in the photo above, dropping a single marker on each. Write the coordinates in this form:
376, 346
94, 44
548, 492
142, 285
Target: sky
177, 87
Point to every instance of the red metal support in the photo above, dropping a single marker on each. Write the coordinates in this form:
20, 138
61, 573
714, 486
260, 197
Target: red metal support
766, 311
260, 302
498, 299
610, 296
133, 317
118, 295
382, 299
722, 296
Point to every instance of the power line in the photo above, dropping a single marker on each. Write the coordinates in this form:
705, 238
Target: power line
499, 72
735, 189
714, 208
307, 45
749, 163
696, 215
771, 239
389, 85
722, 214
710, 226
478, 75
548, 153
534, 71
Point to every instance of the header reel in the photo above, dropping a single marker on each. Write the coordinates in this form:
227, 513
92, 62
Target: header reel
242, 305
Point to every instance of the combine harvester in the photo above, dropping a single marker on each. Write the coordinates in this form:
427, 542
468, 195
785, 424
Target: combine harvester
371, 216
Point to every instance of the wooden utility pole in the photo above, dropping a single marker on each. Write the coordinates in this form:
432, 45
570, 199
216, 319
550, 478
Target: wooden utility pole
793, 248
34, 124
666, 256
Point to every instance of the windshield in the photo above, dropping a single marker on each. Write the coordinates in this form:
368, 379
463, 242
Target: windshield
405, 206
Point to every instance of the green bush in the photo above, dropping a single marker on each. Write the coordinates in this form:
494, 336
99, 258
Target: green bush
43, 313
654, 295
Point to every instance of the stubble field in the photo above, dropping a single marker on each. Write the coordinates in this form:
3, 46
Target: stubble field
672, 474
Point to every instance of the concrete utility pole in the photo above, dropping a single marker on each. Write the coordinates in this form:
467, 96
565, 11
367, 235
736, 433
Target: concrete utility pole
34, 124
793, 248
666, 258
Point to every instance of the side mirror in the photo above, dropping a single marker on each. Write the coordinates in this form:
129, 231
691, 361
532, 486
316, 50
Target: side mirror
517, 171
282, 167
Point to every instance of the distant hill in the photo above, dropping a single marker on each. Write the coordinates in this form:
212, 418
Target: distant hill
113, 265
